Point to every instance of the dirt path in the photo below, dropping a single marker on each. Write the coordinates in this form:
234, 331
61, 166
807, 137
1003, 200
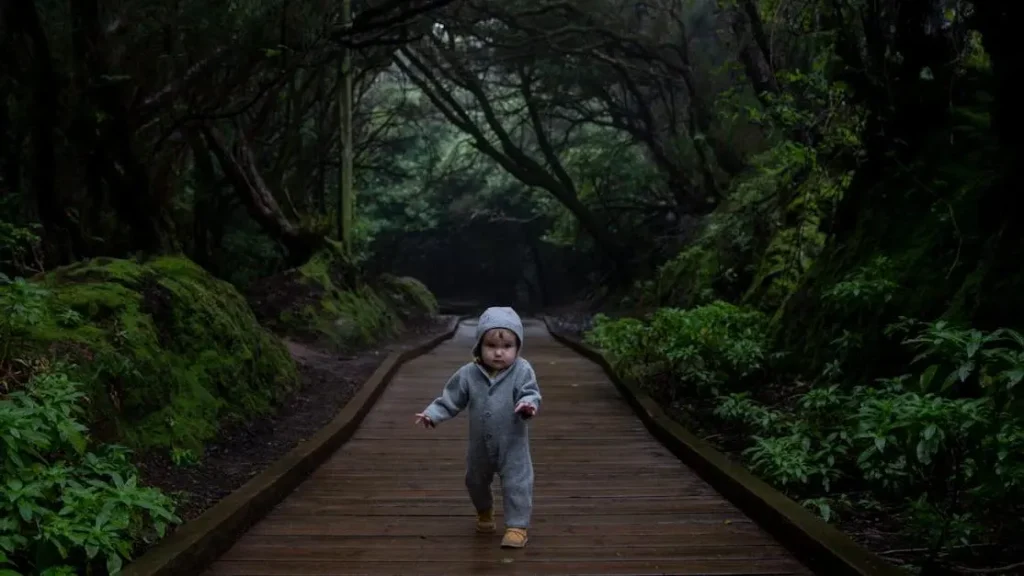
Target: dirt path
328, 381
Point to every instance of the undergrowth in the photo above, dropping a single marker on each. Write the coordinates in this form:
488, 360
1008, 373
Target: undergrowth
938, 450
70, 506
835, 346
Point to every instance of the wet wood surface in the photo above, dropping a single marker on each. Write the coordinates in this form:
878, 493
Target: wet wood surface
608, 498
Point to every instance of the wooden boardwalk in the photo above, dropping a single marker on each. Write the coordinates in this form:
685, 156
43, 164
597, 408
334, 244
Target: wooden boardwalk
608, 498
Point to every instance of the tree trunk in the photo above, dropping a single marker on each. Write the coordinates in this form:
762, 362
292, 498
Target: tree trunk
538, 263
10, 151
1000, 206
903, 114
322, 145
126, 176
345, 193
203, 207
754, 51
62, 235
240, 168
700, 112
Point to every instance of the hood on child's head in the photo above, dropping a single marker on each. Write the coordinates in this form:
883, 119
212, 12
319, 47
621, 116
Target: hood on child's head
498, 317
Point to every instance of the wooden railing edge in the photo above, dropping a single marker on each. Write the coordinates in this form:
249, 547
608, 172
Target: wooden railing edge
200, 541
819, 545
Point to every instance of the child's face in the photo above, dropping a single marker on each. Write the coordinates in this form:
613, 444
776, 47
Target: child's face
498, 349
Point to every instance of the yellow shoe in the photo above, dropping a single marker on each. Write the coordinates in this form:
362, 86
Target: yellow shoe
514, 538
485, 521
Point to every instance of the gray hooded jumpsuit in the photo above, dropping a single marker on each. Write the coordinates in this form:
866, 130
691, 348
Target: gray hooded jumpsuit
498, 437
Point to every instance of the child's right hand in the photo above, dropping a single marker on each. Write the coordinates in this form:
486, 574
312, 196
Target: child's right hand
424, 420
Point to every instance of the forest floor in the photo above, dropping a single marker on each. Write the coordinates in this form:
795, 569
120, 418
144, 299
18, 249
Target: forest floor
328, 381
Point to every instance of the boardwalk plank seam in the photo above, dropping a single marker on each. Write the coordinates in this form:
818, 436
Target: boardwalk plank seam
819, 545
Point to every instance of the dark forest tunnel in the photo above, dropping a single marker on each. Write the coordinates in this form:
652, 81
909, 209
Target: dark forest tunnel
484, 263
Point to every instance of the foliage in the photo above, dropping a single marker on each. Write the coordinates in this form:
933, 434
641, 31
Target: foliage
690, 278
762, 241
19, 245
248, 255
165, 350
956, 416
408, 296
133, 168
900, 436
330, 300
614, 180
682, 353
902, 261
67, 503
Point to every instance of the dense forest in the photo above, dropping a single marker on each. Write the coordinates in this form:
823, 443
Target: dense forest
791, 222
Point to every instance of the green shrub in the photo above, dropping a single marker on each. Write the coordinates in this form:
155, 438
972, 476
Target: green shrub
943, 444
328, 300
409, 297
67, 504
940, 448
677, 352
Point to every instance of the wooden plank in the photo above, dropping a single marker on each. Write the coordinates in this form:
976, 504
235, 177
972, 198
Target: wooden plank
481, 565
552, 495
594, 527
608, 498
457, 507
259, 544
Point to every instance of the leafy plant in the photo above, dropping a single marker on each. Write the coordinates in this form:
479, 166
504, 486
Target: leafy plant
67, 504
24, 305
942, 444
696, 351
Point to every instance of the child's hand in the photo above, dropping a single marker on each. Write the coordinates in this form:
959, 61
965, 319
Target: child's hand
424, 420
526, 410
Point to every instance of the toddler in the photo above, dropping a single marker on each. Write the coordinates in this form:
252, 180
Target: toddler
500, 389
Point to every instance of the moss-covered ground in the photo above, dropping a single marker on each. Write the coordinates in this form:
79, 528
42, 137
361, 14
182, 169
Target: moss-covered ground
167, 350
327, 300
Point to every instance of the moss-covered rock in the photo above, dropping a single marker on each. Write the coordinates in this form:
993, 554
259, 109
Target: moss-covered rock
408, 296
329, 301
167, 350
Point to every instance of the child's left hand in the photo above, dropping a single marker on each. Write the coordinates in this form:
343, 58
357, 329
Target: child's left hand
526, 410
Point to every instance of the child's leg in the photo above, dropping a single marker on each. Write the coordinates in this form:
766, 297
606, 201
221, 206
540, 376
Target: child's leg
479, 475
517, 493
